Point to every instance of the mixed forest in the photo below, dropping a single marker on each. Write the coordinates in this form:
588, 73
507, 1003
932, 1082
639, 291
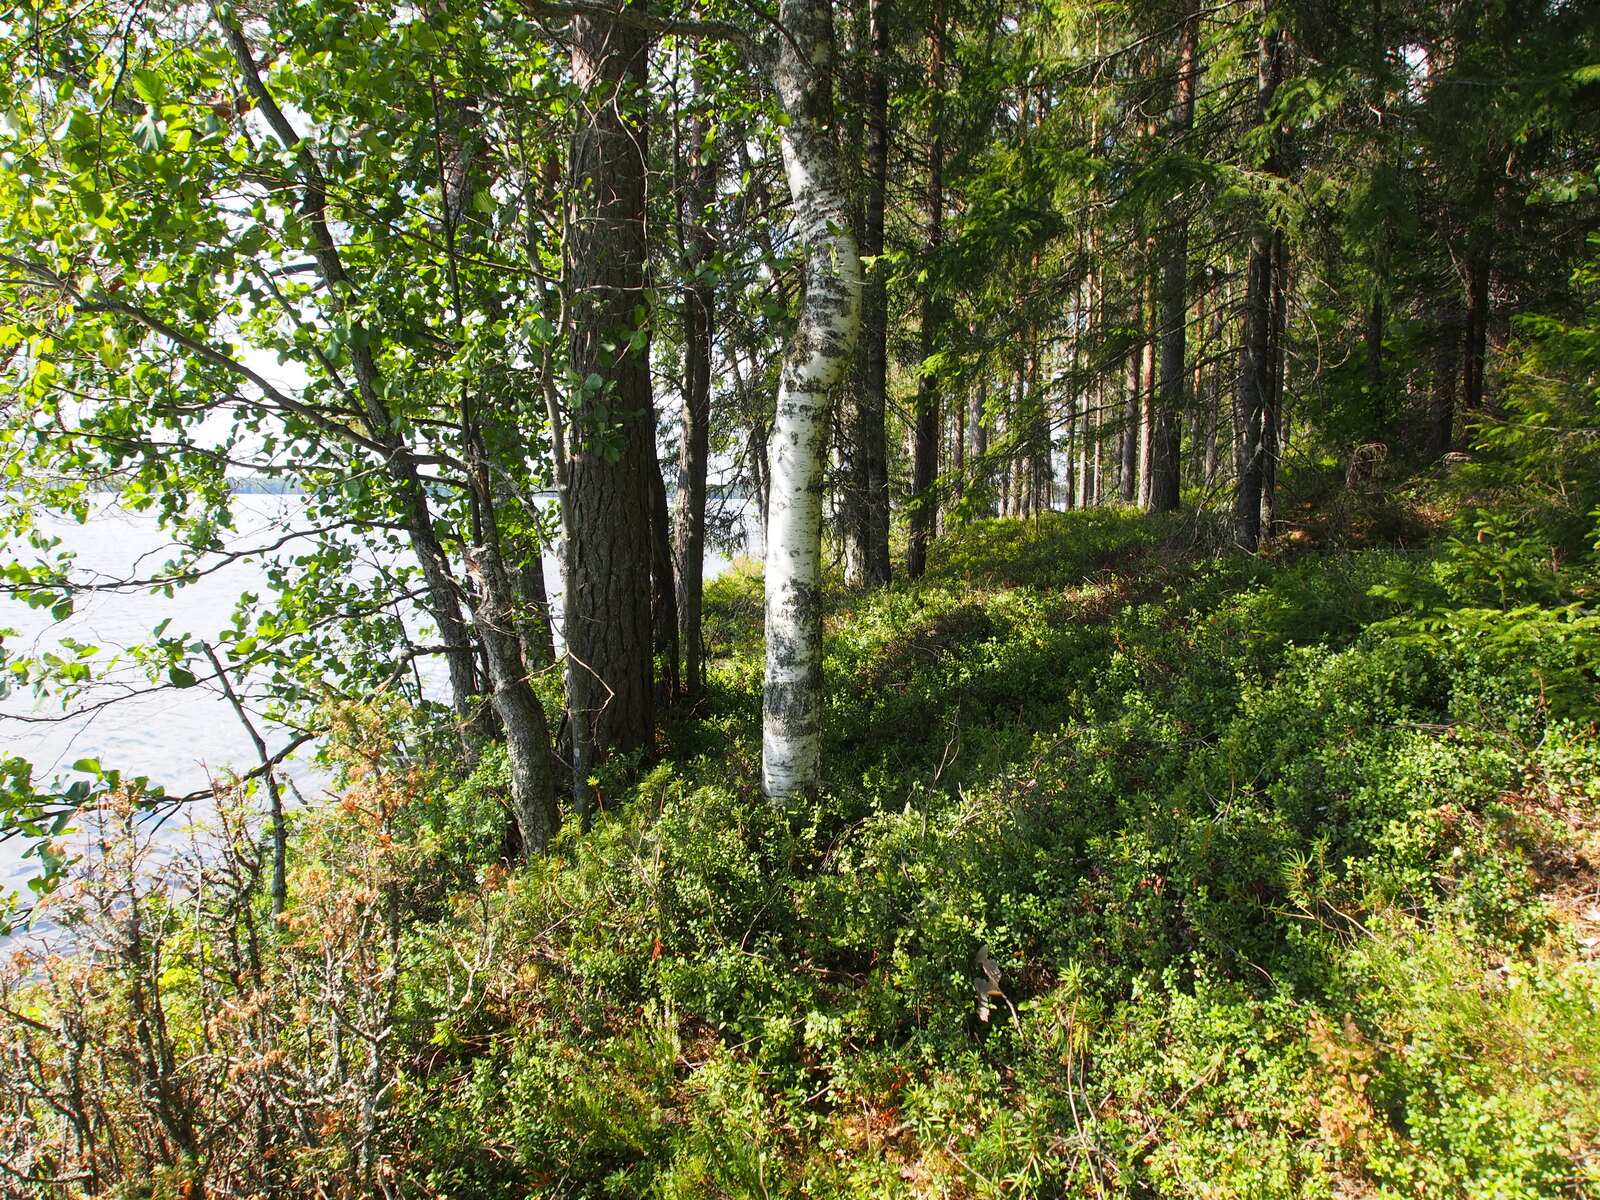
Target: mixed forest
1155, 751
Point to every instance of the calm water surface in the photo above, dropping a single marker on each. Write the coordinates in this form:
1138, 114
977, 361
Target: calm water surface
180, 739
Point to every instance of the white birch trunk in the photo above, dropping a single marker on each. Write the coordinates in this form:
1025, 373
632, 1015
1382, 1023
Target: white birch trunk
824, 341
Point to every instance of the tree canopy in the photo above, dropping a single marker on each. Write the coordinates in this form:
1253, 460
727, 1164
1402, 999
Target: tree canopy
454, 272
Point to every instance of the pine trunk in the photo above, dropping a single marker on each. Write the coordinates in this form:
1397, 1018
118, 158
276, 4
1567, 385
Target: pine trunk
1166, 455
865, 516
1442, 398
699, 336
925, 428
1255, 431
610, 697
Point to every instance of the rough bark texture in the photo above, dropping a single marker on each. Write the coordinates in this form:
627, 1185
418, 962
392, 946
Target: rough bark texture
699, 333
663, 588
865, 507
522, 718
1255, 383
925, 427
1166, 448
825, 338
1128, 439
608, 604
1256, 409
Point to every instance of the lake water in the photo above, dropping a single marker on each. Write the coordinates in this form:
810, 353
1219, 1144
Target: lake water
181, 739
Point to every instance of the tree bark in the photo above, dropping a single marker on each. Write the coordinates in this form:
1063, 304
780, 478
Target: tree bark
1147, 393
1166, 444
866, 495
533, 608
978, 445
925, 428
699, 335
522, 717
663, 588
1477, 328
1274, 426
500, 621
1378, 413
1213, 406
610, 697
1442, 398
826, 332
1040, 462
1255, 383
1257, 352
1128, 440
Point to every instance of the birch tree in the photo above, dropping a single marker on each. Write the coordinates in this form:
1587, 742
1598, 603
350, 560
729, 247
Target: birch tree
825, 336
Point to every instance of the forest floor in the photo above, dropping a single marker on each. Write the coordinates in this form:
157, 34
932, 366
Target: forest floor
1147, 869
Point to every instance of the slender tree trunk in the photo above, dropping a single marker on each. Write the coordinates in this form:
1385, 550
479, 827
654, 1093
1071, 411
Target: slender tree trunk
442, 595
521, 559
1274, 425
1128, 440
1257, 428
866, 515
925, 428
1168, 403
1377, 410
1477, 329
1071, 450
1442, 401
978, 432
610, 697
958, 448
760, 471
1255, 384
1213, 406
1088, 440
663, 590
533, 609
1166, 447
699, 335
826, 332
1040, 461
1147, 394
522, 716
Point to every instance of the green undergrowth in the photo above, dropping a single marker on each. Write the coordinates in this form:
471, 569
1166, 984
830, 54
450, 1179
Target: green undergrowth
1288, 867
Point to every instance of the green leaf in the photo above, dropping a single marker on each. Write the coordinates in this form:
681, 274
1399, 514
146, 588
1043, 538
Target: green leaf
148, 135
149, 86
